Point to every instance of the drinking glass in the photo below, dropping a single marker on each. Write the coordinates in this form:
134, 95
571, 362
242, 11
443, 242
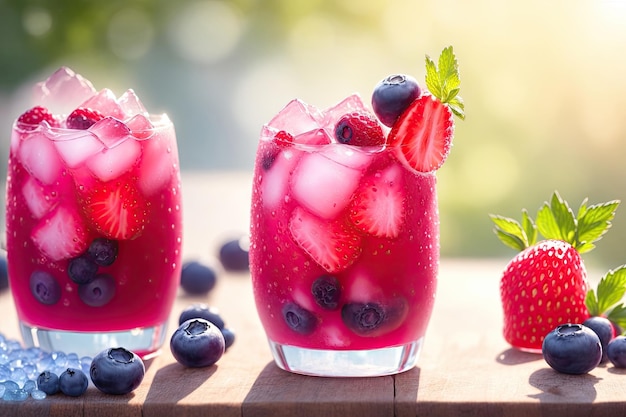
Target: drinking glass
93, 219
344, 248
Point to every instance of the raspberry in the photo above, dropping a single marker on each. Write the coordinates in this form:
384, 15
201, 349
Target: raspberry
359, 129
83, 118
32, 117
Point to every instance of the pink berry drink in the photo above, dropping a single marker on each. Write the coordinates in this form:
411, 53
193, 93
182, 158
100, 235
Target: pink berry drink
93, 218
345, 229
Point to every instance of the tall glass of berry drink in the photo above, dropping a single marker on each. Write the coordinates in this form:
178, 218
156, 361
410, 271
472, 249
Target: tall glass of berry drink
93, 218
345, 227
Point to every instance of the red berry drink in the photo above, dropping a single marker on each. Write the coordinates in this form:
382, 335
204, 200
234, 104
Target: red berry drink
345, 229
94, 220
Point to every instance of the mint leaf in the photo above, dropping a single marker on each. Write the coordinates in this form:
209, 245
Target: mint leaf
443, 81
618, 315
593, 222
591, 302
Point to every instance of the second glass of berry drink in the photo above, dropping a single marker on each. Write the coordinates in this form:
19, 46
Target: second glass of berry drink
345, 227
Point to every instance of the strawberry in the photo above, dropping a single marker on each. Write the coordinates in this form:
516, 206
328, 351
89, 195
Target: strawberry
378, 206
359, 129
115, 208
545, 285
83, 118
423, 132
332, 244
32, 117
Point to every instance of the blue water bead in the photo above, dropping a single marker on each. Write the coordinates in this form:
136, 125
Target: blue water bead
13, 345
29, 386
4, 358
45, 362
85, 364
15, 395
31, 371
11, 385
38, 395
18, 375
60, 359
2, 389
73, 361
5, 373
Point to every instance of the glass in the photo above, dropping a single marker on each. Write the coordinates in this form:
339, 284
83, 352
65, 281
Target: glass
94, 222
344, 248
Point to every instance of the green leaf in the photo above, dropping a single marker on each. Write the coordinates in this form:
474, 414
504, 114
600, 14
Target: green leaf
591, 301
618, 315
556, 220
595, 220
529, 228
611, 289
510, 232
444, 82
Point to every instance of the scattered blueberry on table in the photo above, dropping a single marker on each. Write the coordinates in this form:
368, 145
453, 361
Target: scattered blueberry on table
210, 314
117, 371
197, 343
197, 278
572, 349
234, 254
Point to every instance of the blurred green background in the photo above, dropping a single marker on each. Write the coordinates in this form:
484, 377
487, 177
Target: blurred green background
544, 85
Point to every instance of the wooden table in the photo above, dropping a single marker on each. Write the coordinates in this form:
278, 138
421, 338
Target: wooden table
465, 369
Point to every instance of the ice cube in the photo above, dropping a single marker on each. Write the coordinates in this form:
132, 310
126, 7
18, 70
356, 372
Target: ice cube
157, 164
140, 126
350, 156
110, 131
324, 186
296, 117
361, 287
38, 154
115, 161
63, 91
276, 179
76, 147
106, 103
131, 105
61, 234
313, 137
37, 200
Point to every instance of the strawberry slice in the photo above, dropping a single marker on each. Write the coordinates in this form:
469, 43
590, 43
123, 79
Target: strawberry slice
424, 133
116, 208
378, 208
332, 244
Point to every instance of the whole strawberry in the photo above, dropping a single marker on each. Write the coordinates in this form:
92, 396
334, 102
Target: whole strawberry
545, 285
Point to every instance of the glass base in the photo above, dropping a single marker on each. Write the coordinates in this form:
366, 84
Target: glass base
145, 342
346, 363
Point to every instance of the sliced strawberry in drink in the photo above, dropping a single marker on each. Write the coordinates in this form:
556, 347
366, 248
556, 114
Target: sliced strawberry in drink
378, 208
424, 133
116, 208
61, 234
332, 244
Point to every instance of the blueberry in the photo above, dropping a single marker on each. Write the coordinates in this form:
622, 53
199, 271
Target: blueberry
4, 274
44, 287
197, 278
103, 251
393, 95
197, 343
299, 319
363, 318
234, 254
616, 351
604, 329
229, 337
82, 269
99, 291
73, 382
572, 349
117, 371
202, 311
48, 382
326, 292
268, 157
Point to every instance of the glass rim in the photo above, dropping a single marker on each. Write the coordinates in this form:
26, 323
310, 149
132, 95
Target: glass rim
159, 122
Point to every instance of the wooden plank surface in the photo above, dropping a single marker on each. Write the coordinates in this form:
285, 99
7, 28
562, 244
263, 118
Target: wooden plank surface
466, 368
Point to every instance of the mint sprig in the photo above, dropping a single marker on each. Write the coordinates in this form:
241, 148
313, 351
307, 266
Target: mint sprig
556, 220
443, 81
604, 301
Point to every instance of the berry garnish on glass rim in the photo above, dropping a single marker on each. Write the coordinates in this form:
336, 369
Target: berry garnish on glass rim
545, 285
